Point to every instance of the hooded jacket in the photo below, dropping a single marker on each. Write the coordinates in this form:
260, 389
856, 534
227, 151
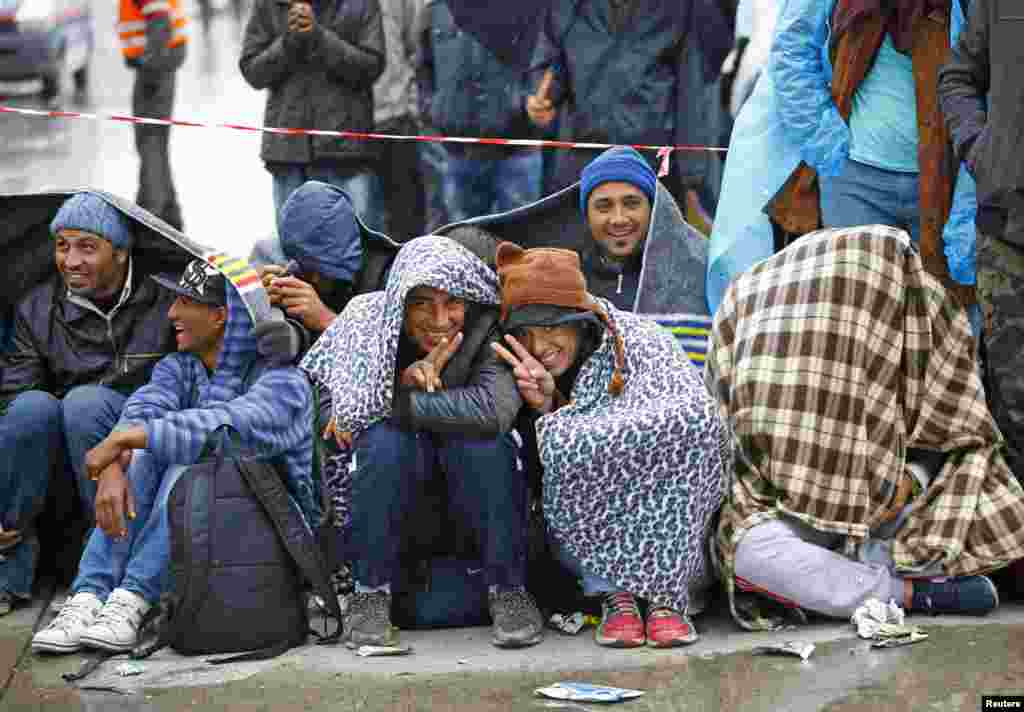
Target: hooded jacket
271, 407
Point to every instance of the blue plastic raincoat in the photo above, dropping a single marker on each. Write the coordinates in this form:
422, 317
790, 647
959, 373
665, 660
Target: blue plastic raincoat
765, 149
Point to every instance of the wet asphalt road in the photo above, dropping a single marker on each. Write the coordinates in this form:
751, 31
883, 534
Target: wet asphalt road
224, 190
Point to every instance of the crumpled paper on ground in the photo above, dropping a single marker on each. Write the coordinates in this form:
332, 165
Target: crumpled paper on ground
584, 692
572, 624
884, 621
792, 647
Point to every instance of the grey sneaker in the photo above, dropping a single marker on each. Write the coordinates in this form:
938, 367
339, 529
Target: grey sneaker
517, 622
368, 620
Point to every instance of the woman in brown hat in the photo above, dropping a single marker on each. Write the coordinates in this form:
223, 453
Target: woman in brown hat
631, 444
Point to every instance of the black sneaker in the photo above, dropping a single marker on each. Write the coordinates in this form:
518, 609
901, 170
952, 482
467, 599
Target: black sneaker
368, 620
968, 595
517, 622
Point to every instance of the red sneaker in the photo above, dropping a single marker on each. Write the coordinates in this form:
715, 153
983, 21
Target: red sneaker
669, 629
621, 624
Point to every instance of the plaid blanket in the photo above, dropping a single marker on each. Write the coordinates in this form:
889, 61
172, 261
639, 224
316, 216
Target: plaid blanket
830, 360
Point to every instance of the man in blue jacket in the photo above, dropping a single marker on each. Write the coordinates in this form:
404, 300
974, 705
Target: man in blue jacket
216, 378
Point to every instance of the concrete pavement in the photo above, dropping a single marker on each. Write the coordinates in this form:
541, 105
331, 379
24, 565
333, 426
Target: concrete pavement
459, 669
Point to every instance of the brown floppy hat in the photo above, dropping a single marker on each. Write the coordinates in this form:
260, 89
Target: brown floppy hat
552, 277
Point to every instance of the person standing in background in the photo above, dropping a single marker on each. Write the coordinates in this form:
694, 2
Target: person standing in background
398, 208
153, 41
466, 91
319, 61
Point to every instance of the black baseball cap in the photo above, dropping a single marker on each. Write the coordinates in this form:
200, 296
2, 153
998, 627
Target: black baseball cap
200, 282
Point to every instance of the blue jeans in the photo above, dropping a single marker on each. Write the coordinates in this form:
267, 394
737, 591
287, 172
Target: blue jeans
139, 562
481, 186
30, 452
89, 414
433, 167
865, 195
592, 585
486, 492
358, 184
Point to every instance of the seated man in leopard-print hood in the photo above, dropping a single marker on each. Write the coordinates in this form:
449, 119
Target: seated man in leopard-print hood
415, 386
633, 450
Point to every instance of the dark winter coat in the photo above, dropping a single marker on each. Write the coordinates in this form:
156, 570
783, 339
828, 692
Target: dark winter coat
60, 344
638, 78
320, 81
982, 95
463, 89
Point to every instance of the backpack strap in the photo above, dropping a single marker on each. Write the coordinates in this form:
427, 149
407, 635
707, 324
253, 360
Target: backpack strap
294, 533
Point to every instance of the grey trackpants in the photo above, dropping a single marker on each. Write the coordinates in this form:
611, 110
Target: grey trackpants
791, 561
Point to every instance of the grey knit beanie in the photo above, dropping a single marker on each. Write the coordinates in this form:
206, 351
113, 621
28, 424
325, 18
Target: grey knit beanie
91, 213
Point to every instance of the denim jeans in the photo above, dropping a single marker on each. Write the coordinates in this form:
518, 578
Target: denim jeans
433, 167
358, 184
30, 452
865, 195
592, 585
89, 414
486, 493
480, 186
139, 562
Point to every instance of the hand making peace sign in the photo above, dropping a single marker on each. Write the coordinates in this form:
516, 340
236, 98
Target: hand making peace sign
536, 384
425, 374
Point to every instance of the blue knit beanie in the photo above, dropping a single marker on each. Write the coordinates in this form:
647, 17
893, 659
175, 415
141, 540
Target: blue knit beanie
319, 230
619, 163
91, 213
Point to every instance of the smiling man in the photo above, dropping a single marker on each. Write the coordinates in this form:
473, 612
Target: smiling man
616, 197
416, 390
84, 340
633, 454
217, 377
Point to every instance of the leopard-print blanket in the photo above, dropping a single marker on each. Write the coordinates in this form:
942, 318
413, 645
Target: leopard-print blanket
632, 482
356, 357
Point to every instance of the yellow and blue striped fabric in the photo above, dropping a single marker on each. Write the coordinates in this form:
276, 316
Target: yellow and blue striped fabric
692, 330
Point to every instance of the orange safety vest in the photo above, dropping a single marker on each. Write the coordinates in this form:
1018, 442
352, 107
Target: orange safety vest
131, 25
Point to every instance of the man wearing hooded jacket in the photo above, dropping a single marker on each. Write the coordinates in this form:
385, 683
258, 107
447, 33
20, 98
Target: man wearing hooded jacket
84, 340
217, 377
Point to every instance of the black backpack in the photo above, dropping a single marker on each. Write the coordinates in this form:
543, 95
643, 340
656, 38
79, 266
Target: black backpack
240, 553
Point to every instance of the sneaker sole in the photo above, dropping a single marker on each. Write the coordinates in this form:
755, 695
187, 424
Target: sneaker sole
675, 643
353, 641
511, 644
56, 648
106, 645
618, 642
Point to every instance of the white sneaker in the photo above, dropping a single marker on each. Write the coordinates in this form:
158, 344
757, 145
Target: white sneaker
117, 625
64, 634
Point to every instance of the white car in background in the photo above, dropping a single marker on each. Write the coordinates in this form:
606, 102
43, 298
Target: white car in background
46, 40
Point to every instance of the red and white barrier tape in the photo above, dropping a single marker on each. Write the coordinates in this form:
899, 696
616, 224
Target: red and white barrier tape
664, 152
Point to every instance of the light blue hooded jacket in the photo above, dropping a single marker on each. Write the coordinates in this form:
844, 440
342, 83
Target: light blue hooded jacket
183, 404
766, 148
